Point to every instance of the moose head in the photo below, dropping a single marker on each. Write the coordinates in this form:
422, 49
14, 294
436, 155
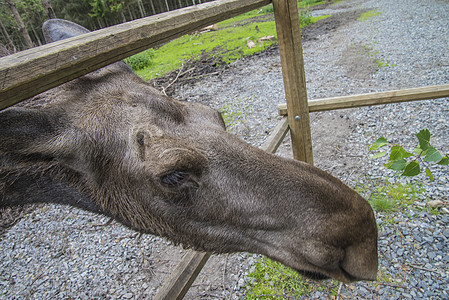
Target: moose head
109, 143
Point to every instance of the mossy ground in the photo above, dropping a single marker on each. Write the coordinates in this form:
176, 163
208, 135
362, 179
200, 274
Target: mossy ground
224, 45
368, 15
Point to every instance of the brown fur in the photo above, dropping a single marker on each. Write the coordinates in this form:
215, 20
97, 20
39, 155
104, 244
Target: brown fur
109, 143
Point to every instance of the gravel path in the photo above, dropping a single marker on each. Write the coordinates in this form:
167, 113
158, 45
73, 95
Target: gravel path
60, 252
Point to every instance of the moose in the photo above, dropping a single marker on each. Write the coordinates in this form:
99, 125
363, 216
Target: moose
110, 143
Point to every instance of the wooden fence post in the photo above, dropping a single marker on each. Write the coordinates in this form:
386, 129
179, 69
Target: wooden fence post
185, 273
290, 48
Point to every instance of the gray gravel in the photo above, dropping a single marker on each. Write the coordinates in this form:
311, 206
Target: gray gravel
59, 252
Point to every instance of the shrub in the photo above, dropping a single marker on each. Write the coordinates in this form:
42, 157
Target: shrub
141, 60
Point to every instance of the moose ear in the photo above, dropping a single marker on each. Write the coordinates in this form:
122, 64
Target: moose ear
24, 129
59, 29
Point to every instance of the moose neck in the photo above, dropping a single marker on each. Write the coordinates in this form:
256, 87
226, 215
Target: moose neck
38, 184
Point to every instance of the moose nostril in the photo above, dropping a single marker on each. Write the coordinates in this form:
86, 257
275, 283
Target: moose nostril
346, 274
360, 261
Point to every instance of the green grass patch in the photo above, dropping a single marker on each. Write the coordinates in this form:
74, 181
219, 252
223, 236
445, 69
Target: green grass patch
309, 3
368, 15
227, 44
381, 63
389, 197
141, 60
233, 114
273, 280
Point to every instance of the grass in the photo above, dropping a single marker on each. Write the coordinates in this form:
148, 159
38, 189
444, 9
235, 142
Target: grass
390, 197
273, 280
233, 113
368, 15
227, 44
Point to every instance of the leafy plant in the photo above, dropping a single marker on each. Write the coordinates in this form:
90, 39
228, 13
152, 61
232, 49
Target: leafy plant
408, 163
140, 61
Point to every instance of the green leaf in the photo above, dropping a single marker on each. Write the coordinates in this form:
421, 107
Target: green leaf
398, 153
397, 165
412, 169
380, 154
379, 143
433, 155
417, 150
420, 151
429, 174
444, 161
423, 138
395, 153
405, 154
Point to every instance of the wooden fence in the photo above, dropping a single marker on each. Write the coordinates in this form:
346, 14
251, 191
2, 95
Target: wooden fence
30, 72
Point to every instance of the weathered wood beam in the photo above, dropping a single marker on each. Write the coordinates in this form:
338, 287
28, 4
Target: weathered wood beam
185, 273
290, 48
275, 139
413, 94
30, 72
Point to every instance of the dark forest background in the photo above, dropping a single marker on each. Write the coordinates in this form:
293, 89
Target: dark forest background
21, 20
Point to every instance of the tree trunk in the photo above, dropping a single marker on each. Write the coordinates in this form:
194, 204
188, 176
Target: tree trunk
166, 4
139, 6
26, 36
36, 36
12, 48
48, 9
122, 14
152, 8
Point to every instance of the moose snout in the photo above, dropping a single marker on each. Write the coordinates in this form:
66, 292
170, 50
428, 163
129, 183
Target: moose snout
355, 262
344, 245
360, 261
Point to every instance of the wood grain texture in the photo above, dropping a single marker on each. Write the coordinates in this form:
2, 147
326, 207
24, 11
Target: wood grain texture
413, 94
30, 72
290, 48
180, 280
277, 136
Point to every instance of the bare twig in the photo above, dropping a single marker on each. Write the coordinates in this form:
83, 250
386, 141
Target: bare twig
339, 290
180, 73
349, 176
176, 78
224, 273
424, 269
390, 284
105, 224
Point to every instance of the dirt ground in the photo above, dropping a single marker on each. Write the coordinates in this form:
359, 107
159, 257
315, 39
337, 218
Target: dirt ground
223, 272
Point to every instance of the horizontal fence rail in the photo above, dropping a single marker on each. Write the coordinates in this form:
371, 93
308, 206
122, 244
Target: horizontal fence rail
30, 72
413, 94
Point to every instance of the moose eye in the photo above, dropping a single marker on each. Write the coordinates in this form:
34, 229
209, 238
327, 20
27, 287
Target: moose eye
174, 179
